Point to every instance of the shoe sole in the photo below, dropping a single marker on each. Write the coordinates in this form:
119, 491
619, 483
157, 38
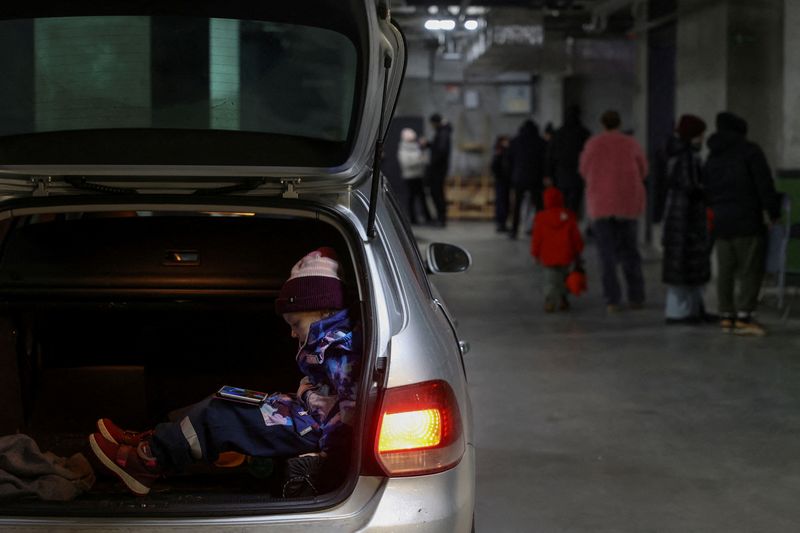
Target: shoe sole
133, 485
104, 432
749, 333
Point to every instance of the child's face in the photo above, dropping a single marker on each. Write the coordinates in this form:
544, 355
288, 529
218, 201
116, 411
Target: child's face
301, 321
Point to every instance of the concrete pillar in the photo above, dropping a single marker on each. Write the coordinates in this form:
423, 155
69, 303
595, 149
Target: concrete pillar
702, 59
755, 70
790, 153
729, 58
639, 112
550, 100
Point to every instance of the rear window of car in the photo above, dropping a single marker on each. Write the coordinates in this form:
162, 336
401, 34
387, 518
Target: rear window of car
178, 72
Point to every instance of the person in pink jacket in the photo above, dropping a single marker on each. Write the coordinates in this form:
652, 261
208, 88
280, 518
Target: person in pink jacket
614, 167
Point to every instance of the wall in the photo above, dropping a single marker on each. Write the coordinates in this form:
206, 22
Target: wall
790, 156
701, 63
730, 57
755, 68
604, 77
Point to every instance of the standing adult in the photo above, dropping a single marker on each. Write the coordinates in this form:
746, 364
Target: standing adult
686, 266
526, 159
614, 167
502, 182
740, 190
563, 156
412, 167
439, 165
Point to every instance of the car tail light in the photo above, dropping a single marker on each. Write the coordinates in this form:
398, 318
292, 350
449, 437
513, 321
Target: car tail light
419, 431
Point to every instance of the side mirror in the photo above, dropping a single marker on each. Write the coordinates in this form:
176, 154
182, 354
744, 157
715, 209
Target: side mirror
446, 258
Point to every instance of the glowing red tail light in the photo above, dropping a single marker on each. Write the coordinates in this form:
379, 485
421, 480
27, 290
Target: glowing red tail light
419, 431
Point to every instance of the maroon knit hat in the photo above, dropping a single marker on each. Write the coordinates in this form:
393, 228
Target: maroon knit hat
689, 127
314, 284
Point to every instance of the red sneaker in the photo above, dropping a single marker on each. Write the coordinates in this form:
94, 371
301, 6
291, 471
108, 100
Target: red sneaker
117, 435
134, 466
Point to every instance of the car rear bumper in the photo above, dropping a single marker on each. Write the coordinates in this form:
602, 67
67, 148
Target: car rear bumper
441, 502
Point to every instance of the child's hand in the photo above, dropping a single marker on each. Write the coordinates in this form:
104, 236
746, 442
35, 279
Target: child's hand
305, 386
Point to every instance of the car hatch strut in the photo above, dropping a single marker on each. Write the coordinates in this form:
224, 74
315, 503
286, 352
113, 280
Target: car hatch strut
376, 165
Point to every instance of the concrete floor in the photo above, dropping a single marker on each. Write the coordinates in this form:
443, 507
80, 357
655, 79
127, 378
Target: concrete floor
590, 422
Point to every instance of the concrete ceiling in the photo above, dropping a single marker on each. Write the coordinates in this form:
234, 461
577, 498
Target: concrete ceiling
550, 26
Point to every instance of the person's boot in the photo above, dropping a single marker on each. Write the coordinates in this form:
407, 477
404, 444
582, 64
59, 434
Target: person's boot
135, 466
726, 323
747, 326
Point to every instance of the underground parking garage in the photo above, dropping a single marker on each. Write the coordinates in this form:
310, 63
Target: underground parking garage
552, 244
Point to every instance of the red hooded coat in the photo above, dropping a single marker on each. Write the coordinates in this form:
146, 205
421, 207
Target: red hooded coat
556, 239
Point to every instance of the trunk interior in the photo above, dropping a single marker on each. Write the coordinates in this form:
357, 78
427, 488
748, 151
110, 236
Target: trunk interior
99, 319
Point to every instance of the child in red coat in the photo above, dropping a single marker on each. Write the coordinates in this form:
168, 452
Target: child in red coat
556, 244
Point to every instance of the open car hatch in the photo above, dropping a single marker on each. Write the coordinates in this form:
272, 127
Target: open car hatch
120, 96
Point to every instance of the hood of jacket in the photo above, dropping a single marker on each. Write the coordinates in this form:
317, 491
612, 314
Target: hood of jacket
553, 198
554, 215
725, 140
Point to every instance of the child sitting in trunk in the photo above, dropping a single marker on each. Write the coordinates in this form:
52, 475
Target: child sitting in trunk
556, 244
317, 419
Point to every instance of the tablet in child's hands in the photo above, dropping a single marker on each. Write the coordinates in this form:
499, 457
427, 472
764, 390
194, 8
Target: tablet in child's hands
238, 394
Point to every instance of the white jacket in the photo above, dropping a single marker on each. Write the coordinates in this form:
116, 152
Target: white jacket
412, 160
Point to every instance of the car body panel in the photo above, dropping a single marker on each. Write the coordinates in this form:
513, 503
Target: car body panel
408, 328
440, 503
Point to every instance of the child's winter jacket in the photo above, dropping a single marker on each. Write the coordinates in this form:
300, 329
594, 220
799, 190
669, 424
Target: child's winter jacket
330, 361
556, 239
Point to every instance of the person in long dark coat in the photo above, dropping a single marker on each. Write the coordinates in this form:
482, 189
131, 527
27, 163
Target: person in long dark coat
563, 156
686, 262
526, 157
502, 182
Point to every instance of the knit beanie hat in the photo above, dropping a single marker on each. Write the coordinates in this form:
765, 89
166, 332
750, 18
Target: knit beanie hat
314, 284
690, 127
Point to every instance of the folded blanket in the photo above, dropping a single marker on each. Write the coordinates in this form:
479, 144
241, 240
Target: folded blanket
26, 471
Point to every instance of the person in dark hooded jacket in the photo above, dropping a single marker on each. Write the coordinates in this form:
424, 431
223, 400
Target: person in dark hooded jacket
502, 182
526, 157
741, 193
686, 266
438, 165
563, 156
556, 244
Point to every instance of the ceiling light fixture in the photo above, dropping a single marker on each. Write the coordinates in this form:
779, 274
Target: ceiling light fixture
436, 24
471, 25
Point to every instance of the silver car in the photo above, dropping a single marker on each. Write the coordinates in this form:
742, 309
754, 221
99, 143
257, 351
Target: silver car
162, 166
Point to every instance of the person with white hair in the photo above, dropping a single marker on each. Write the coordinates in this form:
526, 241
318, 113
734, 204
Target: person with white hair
413, 161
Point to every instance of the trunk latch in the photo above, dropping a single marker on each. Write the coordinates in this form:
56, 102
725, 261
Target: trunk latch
289, 188
41, 185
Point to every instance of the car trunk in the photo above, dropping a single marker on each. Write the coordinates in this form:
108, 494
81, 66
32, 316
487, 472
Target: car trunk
134, 316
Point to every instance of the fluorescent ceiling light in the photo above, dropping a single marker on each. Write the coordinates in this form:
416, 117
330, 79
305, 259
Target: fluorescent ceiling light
434, 24
453, 10
471, 25
433, 10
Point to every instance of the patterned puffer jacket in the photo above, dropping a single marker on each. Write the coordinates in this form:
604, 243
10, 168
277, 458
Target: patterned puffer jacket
331, 361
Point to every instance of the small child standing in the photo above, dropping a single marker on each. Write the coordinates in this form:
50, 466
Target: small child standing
556, 244
318, 419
